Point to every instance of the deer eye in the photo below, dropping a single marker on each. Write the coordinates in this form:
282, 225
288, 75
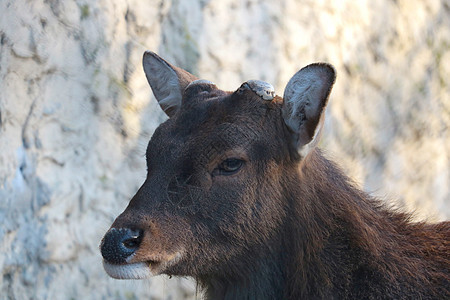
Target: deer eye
229, 166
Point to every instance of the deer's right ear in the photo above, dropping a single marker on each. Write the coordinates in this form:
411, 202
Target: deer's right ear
167, 82
305, 99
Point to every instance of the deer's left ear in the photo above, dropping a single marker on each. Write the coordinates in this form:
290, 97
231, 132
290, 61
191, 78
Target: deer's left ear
305, 99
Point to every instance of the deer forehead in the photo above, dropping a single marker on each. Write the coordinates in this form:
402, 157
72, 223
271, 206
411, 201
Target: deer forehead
225, 122
204, 106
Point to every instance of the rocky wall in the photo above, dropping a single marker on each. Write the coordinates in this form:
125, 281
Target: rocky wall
76, 113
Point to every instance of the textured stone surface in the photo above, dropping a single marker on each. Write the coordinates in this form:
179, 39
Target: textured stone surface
76, 113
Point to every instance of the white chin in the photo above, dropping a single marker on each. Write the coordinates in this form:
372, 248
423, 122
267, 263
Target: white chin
129, 271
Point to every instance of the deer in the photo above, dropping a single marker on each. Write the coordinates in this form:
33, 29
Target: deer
239, 196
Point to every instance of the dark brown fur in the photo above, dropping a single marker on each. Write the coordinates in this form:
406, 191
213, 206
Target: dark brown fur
283, 227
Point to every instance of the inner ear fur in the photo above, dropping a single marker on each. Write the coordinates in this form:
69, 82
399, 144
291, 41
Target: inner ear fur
305, 99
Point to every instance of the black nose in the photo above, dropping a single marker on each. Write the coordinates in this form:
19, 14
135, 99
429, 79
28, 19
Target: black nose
119, 243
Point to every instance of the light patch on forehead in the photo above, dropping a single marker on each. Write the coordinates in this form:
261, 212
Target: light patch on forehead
261, 88
200, 81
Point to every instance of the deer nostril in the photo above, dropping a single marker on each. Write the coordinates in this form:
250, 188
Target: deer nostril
130, 243
133, 242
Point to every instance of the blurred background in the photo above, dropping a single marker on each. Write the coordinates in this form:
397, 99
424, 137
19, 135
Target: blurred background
76, 113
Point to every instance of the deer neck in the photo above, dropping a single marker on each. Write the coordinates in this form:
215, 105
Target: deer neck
262, 281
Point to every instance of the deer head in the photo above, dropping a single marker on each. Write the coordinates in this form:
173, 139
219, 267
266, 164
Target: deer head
217, 172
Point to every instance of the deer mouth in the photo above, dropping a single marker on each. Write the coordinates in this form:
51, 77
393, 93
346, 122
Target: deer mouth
141, 270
